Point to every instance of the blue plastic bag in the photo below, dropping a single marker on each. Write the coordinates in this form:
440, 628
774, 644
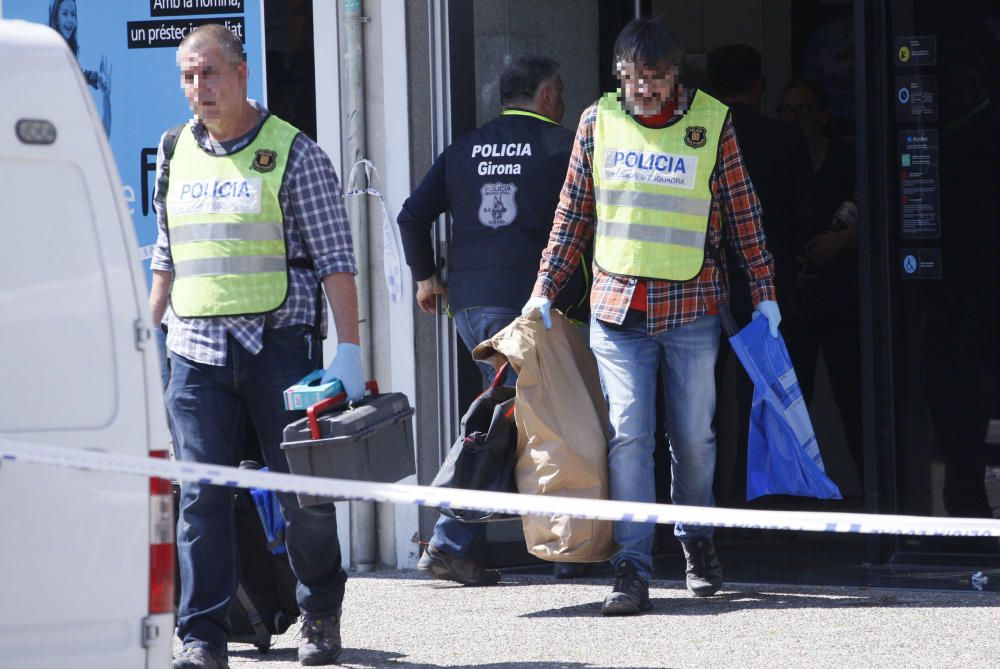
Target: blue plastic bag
783, 456
269, 512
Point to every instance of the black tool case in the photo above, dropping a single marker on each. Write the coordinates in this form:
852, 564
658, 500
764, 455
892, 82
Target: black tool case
370, 440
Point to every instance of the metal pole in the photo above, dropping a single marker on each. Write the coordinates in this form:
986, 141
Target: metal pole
363, 537
638, 9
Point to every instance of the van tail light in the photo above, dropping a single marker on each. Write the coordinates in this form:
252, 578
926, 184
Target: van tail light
161, 543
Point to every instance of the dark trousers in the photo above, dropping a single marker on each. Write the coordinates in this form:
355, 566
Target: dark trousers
208, 407
837, 334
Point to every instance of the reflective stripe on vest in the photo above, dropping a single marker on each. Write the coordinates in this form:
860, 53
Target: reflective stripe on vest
205, 232
653, 233
226, 227
652, 190
666, 203
231, 265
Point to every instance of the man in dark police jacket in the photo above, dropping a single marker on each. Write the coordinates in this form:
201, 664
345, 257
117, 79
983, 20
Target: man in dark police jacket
501, 184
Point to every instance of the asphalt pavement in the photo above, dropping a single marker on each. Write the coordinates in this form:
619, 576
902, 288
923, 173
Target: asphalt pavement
401, 619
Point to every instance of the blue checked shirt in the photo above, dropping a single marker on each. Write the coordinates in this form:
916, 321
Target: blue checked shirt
315, 219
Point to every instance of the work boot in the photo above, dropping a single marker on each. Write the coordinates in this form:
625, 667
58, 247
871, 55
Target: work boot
450, 568
319, 642
704, 572
630, 594
199, 657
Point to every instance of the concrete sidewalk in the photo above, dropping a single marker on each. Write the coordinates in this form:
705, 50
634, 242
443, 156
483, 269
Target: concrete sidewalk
400, 619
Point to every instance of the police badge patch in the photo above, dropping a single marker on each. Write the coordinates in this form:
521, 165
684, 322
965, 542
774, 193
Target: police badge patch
695, 136
498, 207
264, 160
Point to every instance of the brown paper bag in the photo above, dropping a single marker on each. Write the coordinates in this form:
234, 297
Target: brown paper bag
562, 427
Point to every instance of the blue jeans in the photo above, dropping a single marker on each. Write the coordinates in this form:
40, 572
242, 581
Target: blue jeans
474, 325
628, 360
208, 406
161, 348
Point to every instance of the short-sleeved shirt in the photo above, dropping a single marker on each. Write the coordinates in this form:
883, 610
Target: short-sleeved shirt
316, 228
670, 304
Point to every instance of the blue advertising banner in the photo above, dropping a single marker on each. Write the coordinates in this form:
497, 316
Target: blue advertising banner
127, 52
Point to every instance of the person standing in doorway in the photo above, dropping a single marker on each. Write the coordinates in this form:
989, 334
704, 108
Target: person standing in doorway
656, 174
251, 224
777, 162
501, 184
827, 252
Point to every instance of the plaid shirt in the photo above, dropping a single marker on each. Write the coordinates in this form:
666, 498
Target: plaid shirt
669, 304
314, 219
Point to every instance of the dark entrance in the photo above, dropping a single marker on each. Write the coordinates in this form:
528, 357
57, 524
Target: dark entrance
935, 279
904, 394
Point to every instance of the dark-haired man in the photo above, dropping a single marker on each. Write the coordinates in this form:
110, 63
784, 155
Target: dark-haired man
777, 161
655, 174
236, 275
501, 184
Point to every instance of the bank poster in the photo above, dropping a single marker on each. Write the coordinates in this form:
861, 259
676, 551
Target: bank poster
127, 52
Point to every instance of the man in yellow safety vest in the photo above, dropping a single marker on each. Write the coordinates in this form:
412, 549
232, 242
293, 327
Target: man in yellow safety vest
657, 178
251, 222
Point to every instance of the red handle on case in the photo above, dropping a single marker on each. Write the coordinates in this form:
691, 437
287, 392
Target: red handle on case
314, 411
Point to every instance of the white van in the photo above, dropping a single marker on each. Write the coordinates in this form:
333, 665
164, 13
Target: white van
86, 558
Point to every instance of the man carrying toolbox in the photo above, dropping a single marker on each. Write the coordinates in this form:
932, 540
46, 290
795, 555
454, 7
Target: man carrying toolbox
251, 221
657, 177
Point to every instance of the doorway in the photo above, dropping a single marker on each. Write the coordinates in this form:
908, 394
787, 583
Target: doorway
872, 344
937, 134
795, 41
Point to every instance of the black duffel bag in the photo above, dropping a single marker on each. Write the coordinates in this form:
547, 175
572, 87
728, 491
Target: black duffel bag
483, 456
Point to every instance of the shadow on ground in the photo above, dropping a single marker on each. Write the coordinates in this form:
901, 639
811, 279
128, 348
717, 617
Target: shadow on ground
755, 599
363, 658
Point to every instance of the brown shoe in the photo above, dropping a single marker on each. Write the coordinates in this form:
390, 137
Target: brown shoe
446, 567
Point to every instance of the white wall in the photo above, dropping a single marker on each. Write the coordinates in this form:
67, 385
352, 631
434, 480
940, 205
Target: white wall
387, 142
326, 49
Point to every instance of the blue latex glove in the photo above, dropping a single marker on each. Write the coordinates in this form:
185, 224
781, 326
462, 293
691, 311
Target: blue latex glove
347, 367
769, 310
544, 306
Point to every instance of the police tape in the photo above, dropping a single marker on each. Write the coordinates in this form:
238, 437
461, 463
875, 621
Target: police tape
511, 503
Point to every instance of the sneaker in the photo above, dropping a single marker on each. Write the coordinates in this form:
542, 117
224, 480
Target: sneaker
630, 594
446, 567
704, 572
319, 640
199, 657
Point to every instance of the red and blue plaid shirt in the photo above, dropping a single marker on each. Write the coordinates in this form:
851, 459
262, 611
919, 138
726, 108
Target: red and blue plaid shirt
669, 304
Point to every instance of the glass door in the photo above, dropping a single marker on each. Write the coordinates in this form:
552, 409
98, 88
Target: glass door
942, 212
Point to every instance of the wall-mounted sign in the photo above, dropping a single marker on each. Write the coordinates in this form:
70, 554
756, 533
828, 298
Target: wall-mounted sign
915, 50
918, 157
916, 99
920, 263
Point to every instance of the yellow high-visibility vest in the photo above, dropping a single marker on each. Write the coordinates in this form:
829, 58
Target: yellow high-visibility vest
226, 227
651, 189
